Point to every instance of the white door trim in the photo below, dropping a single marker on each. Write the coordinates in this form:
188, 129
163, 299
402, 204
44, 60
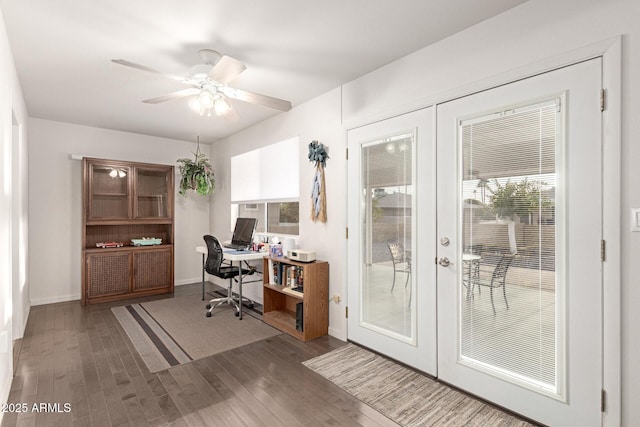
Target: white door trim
611, 215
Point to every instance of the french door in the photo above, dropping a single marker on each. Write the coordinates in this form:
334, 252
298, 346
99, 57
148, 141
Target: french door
392, 304
506, 198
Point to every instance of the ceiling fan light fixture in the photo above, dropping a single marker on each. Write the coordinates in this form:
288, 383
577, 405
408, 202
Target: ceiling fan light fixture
203, 103
206, 99
220, 105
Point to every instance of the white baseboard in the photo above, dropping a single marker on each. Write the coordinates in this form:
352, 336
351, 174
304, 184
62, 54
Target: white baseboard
74, 297
187, 281
339, 334
53, 300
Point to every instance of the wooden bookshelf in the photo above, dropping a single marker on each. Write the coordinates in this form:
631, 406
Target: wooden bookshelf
280, 302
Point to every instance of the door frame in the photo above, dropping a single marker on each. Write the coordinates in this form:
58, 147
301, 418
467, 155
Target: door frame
610, 50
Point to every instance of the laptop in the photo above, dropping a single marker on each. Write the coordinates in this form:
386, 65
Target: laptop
242, 234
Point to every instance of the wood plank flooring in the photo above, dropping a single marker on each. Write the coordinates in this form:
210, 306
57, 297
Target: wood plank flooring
80, 356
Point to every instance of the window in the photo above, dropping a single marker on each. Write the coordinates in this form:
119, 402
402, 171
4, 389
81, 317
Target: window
265, 186
280, 217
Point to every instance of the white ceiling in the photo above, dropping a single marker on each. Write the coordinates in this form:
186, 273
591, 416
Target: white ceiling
293, 49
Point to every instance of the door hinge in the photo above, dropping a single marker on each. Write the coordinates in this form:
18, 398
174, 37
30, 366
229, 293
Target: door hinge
603, 400
346, 153
603, 250
346, 233
346, 312
603, 95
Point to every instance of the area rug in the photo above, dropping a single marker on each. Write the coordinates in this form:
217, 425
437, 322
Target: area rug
174, 331
402, 394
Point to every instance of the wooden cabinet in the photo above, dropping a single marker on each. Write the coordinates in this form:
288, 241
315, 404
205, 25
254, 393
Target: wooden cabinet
124, 201
303, 315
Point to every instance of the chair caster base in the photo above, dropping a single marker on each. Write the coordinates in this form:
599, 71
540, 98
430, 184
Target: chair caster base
237, 313
208, 306
208, 314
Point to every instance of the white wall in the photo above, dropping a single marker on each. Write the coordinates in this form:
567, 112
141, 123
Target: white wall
535, 31
14, 283
55, 202
319, 120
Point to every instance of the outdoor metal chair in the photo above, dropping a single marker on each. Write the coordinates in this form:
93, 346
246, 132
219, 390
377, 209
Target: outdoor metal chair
401, 262
497, 279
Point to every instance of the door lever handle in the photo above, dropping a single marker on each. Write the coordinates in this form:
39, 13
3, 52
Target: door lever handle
444, 261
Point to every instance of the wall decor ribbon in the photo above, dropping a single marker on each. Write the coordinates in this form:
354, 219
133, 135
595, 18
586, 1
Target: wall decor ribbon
318, 155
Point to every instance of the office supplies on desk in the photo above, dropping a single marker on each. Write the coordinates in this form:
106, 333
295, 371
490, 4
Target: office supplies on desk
242, 234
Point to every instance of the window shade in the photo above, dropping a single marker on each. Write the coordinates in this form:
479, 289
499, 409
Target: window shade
268, 173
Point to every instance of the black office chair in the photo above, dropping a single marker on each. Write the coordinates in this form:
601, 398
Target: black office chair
401, 262
213, 265
498, 279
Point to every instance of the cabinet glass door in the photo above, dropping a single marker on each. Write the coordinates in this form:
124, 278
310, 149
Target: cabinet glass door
109, 192
152, 193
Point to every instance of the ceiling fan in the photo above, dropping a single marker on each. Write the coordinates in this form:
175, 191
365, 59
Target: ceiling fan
210, 88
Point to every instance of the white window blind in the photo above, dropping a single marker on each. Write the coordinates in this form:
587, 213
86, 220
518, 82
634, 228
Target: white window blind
511, 323
268, 173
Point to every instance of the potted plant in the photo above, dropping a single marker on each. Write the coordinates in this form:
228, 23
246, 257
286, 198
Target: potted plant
196, 175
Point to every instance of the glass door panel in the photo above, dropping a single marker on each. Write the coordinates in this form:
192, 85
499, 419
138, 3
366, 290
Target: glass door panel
508, 286
387, 187
152, 193
109, 192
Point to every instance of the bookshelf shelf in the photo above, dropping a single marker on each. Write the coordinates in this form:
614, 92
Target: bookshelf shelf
305, 315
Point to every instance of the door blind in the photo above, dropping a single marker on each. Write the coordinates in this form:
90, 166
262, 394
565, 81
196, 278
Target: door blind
508, 281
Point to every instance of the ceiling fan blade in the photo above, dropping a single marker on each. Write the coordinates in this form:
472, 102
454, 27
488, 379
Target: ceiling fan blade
256, 98
150, 70
173, 95
226, 69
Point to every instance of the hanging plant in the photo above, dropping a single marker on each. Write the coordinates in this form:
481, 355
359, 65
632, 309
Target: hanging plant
196, 175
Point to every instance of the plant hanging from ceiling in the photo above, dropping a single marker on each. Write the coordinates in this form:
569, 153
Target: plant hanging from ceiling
196, 175
318, 155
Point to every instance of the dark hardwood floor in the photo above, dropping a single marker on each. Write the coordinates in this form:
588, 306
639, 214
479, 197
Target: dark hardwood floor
80, 356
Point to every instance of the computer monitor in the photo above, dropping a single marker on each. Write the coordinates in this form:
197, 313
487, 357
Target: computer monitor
243, 232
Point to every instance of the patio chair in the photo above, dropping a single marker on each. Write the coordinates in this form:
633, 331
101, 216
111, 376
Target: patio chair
497, 279
401, 262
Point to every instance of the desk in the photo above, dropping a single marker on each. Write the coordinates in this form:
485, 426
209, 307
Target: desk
232, 255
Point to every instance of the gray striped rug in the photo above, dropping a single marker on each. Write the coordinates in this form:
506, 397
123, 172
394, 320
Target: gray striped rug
173, 331
404, 395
